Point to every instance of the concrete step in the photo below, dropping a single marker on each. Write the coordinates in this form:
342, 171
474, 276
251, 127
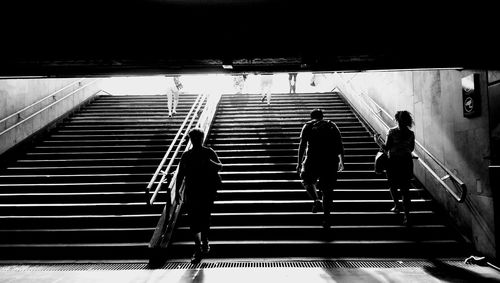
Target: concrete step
315, 232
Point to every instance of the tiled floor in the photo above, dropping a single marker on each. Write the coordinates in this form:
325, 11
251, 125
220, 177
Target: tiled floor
436, 272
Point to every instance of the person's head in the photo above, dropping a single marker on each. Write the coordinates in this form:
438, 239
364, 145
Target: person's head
196, 136
317, 114
404, 119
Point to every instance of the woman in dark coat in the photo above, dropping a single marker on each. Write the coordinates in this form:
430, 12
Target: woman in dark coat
399, 146
199, 169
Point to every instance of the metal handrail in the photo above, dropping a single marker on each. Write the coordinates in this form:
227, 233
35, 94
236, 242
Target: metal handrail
450, 175
164, 159
209, 116
46, 107
164, 229
198, 103
18, 113
457, 181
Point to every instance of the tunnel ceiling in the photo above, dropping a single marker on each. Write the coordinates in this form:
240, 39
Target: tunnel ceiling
74, 38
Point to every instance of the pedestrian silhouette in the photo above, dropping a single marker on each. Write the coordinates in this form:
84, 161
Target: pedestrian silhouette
174, 87
266, 84
321, 155
399, 146
292, 81
199, 169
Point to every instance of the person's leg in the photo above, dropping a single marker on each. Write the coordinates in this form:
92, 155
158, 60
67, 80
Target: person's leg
176, 101
405, 192
169, 103
268, 94
294, 82
395, 197
205, 246
392, 176
308, 182
325, 184
407, 174
196, 229
262, 92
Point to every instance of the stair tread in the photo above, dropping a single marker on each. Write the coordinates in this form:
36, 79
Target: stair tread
333, 227
60, 245
158, 203
313, 242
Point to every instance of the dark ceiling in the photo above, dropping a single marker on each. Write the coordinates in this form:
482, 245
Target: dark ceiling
106, 37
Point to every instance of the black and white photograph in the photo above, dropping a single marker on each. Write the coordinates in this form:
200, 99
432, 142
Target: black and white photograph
214, 141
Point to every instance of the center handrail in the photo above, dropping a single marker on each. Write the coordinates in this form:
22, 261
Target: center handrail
204, 124
197, 104
456, 181
166, 224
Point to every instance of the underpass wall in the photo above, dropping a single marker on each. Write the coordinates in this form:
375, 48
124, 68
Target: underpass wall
16, 94
434, 97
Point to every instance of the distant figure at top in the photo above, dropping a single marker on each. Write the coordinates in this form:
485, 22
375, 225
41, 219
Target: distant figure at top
174, 87
321, 145
266, 84
292, 81
239, 83
399, 146
199, 169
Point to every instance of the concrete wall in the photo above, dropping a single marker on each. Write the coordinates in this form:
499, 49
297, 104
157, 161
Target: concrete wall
461, 144
16, 94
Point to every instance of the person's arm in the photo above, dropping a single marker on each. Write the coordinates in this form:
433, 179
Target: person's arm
302, 148
412, 142
215, 161
339, 147
388, 142
181, 174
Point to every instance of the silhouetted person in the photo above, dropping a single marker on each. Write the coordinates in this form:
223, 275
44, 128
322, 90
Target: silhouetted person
199, 168
399, 145
173, 91
321, 145
292, 81
266, 83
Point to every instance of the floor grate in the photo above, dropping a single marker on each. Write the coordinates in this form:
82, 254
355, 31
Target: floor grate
327, 264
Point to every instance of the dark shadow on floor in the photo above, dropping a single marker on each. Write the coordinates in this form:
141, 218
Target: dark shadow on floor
451, 273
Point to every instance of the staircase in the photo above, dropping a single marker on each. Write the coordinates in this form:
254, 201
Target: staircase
78, 193
263, 211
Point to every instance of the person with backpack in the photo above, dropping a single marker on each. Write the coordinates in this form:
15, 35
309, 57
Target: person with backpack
321, 155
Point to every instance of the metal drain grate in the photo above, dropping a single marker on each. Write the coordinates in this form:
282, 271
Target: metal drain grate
327, 264
312, 264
